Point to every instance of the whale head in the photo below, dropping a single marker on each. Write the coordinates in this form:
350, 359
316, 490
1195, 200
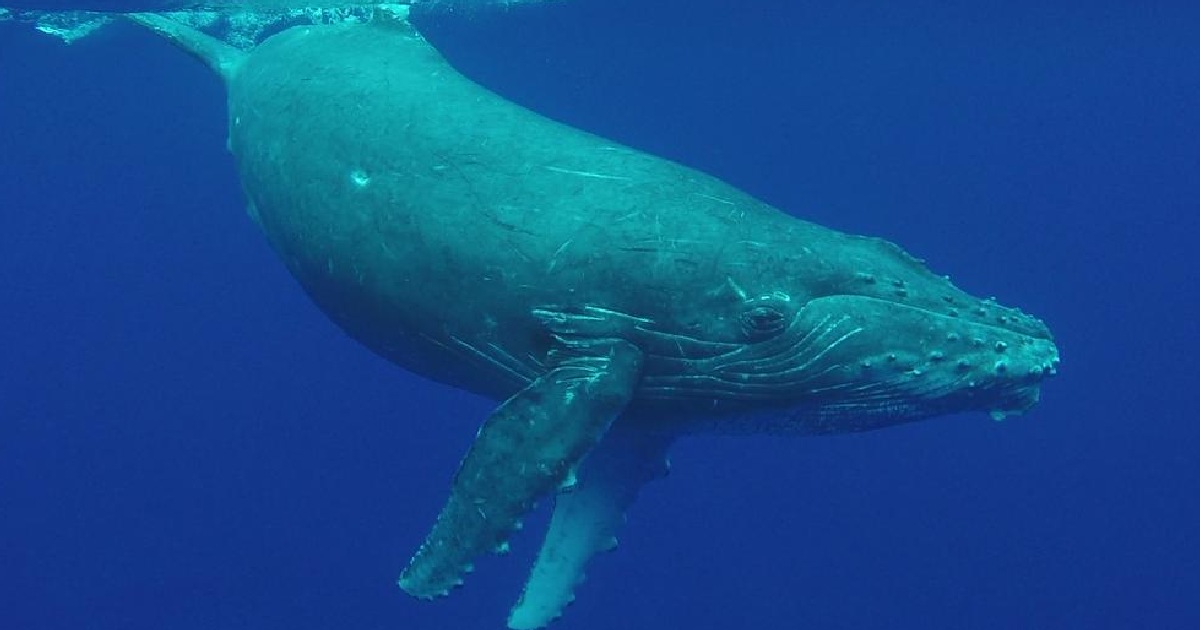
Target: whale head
858, 335
878, 339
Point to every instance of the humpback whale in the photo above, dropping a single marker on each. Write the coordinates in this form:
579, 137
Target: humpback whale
608, 300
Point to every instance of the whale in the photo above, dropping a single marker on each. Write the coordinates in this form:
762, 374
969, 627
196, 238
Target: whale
609, 301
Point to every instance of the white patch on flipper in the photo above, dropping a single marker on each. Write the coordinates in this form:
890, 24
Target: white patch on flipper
585, 521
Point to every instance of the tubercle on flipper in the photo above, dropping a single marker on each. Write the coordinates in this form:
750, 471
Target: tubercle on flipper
447, 554
570, 482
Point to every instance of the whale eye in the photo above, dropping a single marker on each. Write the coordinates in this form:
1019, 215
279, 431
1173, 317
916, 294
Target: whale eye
762, 322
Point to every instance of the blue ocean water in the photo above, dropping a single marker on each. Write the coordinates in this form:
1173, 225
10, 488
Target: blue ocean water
187, 443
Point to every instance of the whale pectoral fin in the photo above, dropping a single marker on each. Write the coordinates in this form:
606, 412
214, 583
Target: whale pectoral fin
585, 521
525, 450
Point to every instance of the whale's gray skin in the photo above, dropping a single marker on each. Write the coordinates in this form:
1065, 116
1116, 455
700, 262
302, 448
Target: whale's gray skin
611, 300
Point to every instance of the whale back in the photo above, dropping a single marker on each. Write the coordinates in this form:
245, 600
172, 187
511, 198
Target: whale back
432, 219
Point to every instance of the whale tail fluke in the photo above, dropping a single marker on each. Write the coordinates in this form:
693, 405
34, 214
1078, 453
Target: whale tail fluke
222, 58
238, 24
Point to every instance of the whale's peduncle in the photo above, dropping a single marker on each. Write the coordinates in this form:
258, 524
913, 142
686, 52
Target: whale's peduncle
222, 58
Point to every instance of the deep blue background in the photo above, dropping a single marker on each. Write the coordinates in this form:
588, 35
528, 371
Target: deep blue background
186, 443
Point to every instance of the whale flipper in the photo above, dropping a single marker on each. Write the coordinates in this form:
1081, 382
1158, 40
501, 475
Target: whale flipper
525, 450
586, 518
